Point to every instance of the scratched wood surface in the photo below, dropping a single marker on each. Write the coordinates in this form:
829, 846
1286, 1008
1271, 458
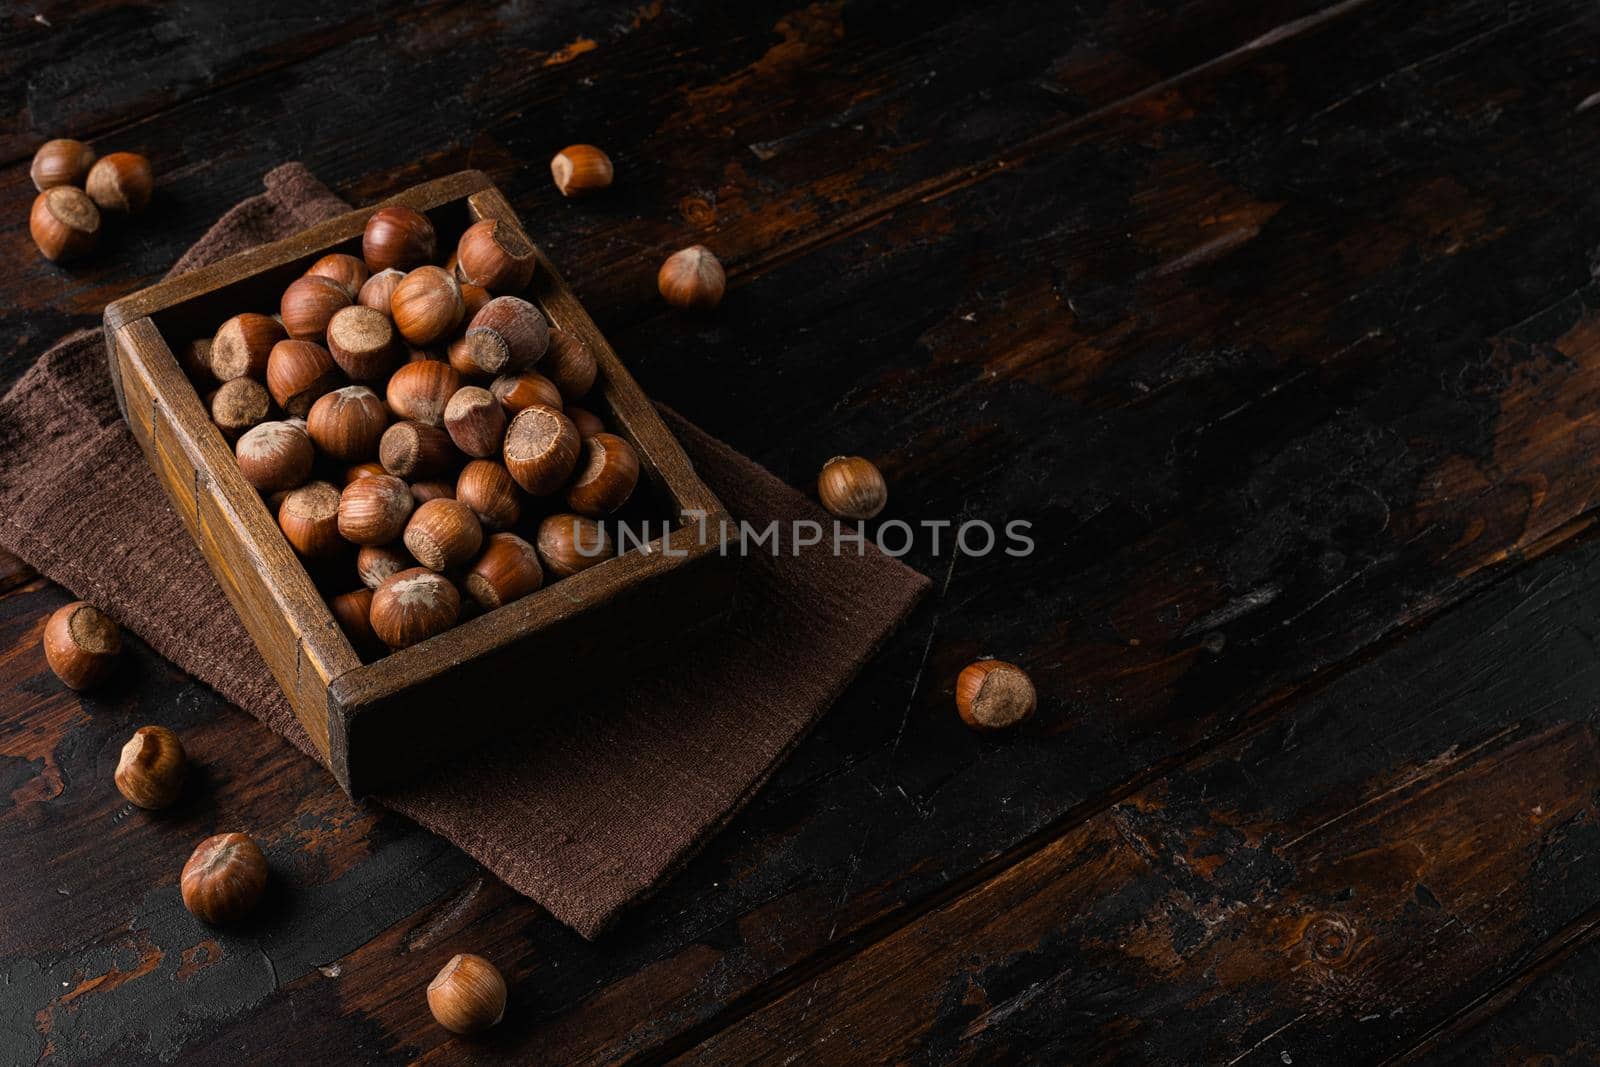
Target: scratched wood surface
1275, 319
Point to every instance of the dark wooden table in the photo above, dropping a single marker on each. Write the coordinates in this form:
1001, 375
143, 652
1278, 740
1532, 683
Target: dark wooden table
1274, 317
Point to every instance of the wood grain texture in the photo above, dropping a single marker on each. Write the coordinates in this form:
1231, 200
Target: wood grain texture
1273, 318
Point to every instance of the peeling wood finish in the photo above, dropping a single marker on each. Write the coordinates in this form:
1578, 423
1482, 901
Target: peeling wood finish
1275, 319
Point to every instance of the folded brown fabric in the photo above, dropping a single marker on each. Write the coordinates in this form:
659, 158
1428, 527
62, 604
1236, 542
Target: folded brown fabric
587, 810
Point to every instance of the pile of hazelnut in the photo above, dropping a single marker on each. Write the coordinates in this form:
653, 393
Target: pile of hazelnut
74, 189
407, 415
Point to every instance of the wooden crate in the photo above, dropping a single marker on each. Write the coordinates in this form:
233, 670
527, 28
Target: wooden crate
379, 722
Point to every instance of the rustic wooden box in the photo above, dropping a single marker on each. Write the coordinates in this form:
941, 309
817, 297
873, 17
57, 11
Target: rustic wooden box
378, 722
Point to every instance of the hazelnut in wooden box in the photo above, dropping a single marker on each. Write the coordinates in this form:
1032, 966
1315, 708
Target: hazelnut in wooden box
369, 363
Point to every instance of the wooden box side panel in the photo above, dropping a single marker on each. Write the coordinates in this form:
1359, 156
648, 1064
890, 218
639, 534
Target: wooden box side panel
254, 565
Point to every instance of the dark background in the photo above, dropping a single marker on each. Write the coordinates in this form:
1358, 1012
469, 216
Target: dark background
1274, 318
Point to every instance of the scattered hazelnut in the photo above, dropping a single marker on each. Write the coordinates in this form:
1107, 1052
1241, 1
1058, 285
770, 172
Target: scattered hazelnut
299, 372
568, 544
580, 168
541, 449
150, 771
378, 290
64, 223
353, 612
309, 304
521, 325
495, 256
692, 279
508, 570
348, 423
60, 162
347, 270
413, 606
517, 391
309, 517
479, 352
121, 182
238, 405
992, 695
426, 305
422, 492
397, 237
486, 487
852, 488
415, 450
373, 511
475, 421
443, 534
275, 455
224, 879
473, 297
242, 345
370, 469
421, 390
606, 477
570, 363
195, 359
362, 342
468, 995
376, 564
587, 422
81, 644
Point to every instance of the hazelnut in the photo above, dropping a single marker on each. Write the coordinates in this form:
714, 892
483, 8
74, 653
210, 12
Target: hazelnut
353, 612
486, 487
521, 325
426, 305
347, 270
473, 297
570, 363
517, 391
420, 390
415, 450
242, 345
150, 770
475, 420
224, 879
60, 162
378, 290
495, 256
195, 359
275, 455
541, 449
348, 423
64, 223
309, 517
81, 644
606, 477
508, 570
373, 511
479, 351
992, 695
412, 606
309, 304
587, 422
580, 168
422, 492
443, 534
362, 342
852, 488
121, 182
397, 237
568, 544
298, 373
375, 564
238, 405
468, 995
369, 469
692, 279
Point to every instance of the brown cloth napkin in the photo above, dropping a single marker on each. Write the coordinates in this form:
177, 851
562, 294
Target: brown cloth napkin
590, 808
